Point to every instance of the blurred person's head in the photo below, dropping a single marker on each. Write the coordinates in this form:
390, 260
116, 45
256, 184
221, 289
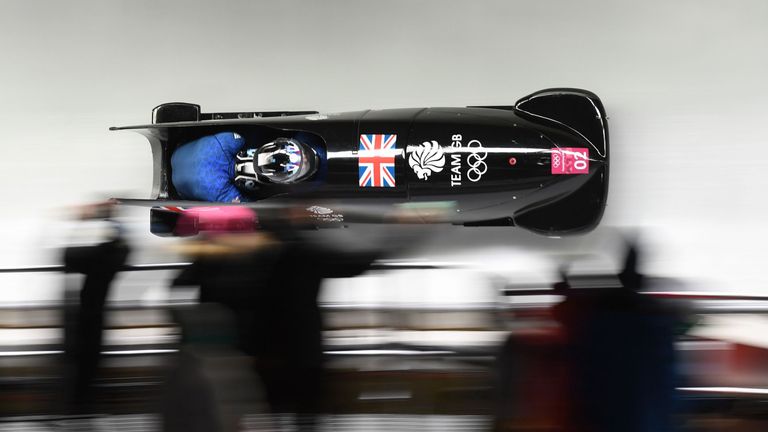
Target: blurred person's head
562, 287
102, 210
630, 276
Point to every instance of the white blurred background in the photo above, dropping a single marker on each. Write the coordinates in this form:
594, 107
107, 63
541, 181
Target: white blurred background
684, 85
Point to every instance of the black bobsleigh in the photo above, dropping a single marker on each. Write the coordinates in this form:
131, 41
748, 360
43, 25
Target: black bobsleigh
540, 164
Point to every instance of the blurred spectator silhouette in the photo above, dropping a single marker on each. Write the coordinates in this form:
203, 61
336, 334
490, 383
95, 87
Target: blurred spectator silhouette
532, 380
288, 339
212, 384
97, 251
271, 288
621, 355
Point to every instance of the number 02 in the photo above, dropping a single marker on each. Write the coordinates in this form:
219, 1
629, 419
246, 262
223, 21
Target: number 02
581, 160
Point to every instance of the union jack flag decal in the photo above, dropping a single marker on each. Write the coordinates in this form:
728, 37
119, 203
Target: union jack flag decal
376, 160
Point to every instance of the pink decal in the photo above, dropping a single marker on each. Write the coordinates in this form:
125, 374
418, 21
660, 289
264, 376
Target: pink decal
570, 160
213, 220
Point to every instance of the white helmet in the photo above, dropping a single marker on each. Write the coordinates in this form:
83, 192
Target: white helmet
282, 161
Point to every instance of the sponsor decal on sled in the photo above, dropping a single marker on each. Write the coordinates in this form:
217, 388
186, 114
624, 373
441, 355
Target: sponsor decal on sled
324, 214
376, 160
474, 164
570, 160
426, 159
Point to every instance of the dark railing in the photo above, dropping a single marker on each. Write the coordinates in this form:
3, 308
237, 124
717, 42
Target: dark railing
417, 265
128, 268
382, 265
394, 265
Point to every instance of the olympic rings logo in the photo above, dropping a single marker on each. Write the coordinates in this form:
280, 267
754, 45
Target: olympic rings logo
556, 160
476, 162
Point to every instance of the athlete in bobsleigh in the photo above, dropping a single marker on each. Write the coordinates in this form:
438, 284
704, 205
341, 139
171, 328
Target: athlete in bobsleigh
225, 167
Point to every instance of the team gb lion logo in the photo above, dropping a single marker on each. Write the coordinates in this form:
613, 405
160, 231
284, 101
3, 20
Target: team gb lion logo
427, 159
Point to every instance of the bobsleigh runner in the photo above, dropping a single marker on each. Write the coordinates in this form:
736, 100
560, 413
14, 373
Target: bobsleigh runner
540, 164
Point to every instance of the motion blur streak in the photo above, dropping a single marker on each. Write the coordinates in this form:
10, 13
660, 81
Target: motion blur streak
283, 330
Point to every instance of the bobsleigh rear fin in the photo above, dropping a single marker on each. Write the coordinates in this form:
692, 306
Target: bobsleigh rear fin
577, 110
161, 157
175, 112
